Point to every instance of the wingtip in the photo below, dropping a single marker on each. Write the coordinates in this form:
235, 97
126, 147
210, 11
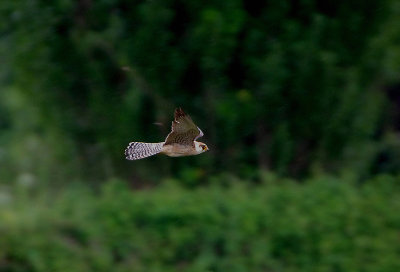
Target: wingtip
179, 112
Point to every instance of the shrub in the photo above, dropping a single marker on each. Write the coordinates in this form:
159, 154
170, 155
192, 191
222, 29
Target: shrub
322, 225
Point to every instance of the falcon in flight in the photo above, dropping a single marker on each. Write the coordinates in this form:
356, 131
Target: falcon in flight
181, 141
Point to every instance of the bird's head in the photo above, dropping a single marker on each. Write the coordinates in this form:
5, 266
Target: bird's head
200, 147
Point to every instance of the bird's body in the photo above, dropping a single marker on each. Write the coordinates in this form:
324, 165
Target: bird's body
178, 150
181, 141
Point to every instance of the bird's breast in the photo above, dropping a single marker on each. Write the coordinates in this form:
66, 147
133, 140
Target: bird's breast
177, 150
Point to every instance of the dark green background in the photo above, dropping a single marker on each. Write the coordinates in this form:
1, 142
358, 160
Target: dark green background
299, 102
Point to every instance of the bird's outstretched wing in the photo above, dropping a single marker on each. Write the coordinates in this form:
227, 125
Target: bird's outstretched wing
183, 131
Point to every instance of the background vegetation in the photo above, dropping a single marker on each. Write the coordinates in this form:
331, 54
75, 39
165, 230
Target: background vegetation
325, 225
299, 102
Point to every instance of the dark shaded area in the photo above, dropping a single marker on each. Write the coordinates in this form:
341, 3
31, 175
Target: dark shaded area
99, 74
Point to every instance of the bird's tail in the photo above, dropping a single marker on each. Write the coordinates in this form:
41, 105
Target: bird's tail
138, 150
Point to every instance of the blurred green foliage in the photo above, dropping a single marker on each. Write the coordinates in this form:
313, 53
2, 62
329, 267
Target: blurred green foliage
324, 224
299, 101
296, 87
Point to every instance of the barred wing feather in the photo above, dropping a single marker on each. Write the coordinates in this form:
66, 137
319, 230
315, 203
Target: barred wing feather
183, 131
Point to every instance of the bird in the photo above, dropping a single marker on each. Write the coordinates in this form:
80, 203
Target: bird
181, 141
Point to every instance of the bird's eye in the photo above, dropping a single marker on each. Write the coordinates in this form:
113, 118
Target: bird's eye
203, 147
